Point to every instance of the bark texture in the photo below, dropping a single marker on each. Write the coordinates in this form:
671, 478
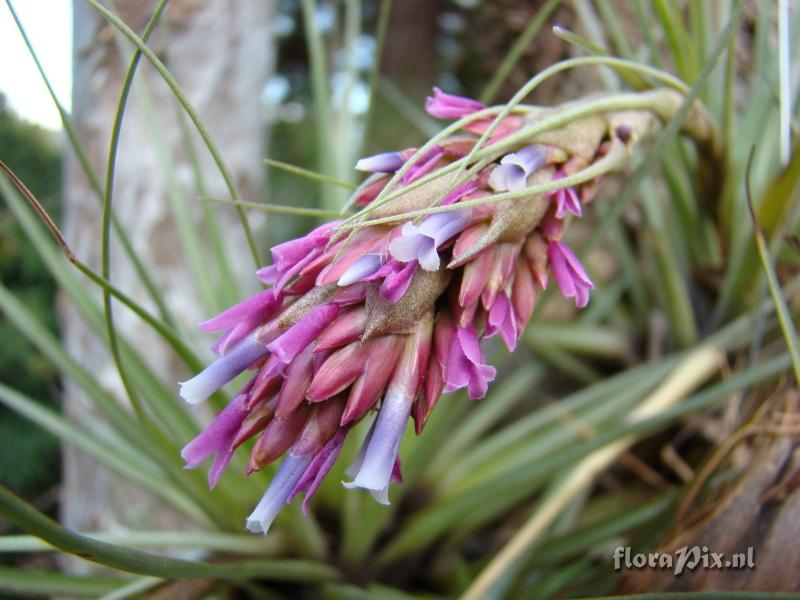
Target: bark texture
221, 53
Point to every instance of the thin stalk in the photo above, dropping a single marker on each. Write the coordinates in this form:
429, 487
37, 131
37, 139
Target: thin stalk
193, 115
308, 174
785, 318
375, 72
28, 518
105, 240
277, 208
515, 52
94, 180
321, 93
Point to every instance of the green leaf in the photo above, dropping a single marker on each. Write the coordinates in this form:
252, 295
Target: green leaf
94, 179
190, 111
134, 589
192, 540
52, 585
119, 457
516, 50
787, 325
143, 563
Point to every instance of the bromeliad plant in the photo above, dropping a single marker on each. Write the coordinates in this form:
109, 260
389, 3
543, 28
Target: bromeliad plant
368, 319
386, 310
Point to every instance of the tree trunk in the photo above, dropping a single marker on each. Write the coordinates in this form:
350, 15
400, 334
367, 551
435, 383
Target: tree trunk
221, 53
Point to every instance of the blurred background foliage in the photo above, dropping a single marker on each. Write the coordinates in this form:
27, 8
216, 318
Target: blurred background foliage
29, 456
677, 272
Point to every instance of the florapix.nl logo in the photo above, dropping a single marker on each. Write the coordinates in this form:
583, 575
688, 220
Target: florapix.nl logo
687, 558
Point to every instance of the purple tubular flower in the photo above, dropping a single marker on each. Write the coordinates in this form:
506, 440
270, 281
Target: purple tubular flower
293, 256
502, 320
243, 318
385, 162
424, 165
218, 438
302, 333
318, 469
361, 269
569, 273
449, 106
375, 471
566, 200
380, 448
396, 283
277, 494
460, 191
222, 370
396, 278
465, 366
420, 242
512, 174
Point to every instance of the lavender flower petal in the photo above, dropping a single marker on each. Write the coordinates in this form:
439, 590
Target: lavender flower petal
465, 366
277, 493
217, 438
222, 370
569, 274
375, 472
318, 469
450, 106
419, 242
361, 269
302, 333
385, 162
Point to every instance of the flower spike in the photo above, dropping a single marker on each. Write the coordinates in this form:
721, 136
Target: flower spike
376, 326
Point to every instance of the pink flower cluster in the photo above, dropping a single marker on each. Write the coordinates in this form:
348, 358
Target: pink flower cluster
386, 320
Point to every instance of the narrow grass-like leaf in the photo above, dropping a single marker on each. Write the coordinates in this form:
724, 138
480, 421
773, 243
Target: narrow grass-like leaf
190, 111
171, 416
134, 589
279, 209
193, 540
626, 194
407, 108
558, 548
501, 399
692, 372
227, 288
487, 501
158, 397
50, 584
105, 239
771, 212
375, 71
603, 342
308, 174
94, 179
321, 98
704, 595
162, 329
517, 49
143, 563
787, 325
677, 39
123, 461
